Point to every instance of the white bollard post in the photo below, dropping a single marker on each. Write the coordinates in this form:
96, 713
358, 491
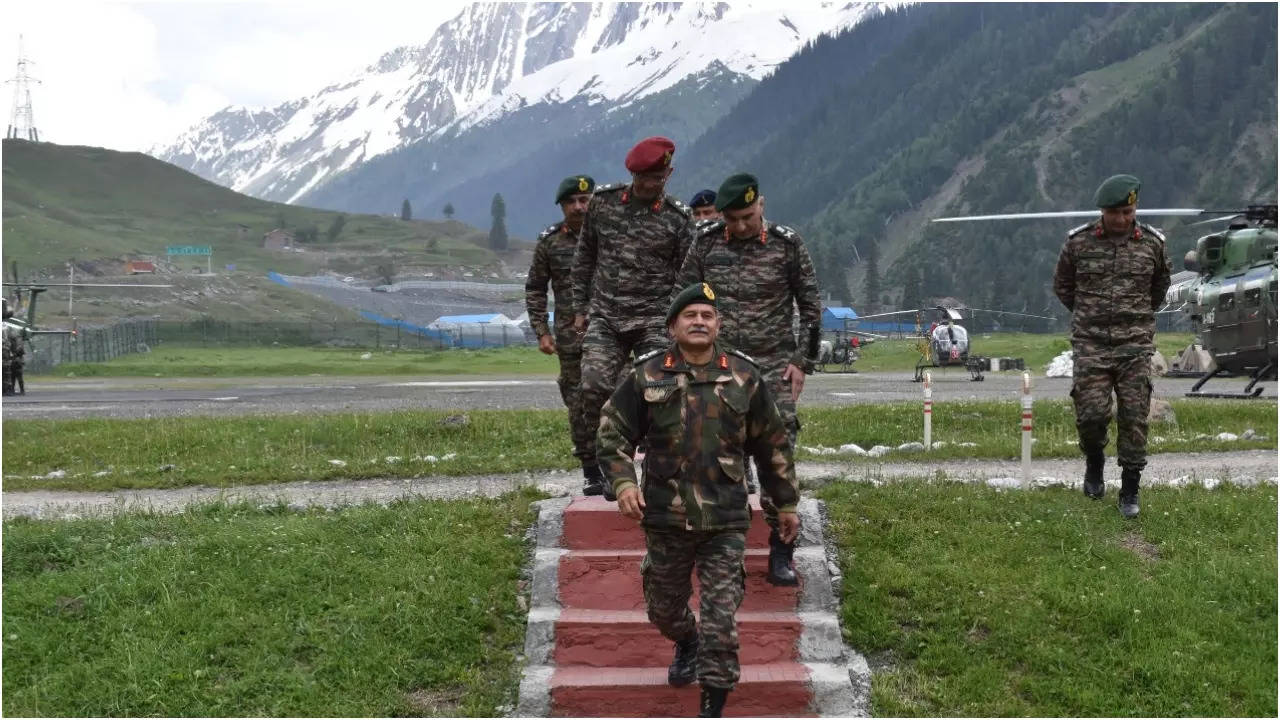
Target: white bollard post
1026, 430
928, 411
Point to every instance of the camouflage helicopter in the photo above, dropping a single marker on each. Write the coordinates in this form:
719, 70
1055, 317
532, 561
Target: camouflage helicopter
1229, 291
946, 343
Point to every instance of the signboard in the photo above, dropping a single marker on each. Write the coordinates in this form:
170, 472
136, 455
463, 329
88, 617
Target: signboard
189, 250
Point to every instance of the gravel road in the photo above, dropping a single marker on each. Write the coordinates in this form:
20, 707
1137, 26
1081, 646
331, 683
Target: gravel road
1176, 469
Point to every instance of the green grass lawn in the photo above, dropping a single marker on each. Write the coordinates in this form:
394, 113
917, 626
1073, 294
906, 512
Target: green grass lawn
974, 602
1036, 349
103, 454
167, 361
408, 610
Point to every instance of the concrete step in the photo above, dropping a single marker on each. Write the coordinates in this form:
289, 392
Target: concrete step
764, 690
593, 523
609, 638
610, 580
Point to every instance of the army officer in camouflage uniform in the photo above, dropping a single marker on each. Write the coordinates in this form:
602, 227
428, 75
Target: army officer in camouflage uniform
761, 271
553, 263
633, 240
1112, 275
698, 408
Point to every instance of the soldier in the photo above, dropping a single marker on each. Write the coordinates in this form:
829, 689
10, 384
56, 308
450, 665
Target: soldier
632, 242
760, 271
698, 407
553, 262
1112, 275
703, 206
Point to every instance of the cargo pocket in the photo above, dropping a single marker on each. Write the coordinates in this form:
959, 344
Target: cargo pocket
734, 468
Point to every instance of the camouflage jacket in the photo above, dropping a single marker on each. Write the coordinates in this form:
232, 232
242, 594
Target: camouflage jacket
552, 263
1112, 284
629, 253
696, 422
756, 282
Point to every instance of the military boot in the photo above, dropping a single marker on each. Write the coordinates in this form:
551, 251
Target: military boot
593, 483
685, 664
1129, 492
780, 554
712, 703
1093, 464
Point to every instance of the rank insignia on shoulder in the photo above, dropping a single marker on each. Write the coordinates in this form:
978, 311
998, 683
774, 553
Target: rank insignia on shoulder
662, 382
550, 231
744, 356
783, 231
669, 361
724, 361
647, 356
1076, 231
1152, 231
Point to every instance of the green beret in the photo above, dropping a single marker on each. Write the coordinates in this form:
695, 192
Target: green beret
695, 293
737, 191
573, 185
1117, 191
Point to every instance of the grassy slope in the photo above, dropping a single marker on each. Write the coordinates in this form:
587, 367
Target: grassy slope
90, 203
176, 452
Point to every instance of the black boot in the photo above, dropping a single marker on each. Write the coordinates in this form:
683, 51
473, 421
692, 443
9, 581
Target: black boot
780, 570
712, 704
594, 480
1093, 464
1129, 492
684, 664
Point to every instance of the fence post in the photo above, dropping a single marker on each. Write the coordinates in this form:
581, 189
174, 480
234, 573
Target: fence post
928, 411
1026, 429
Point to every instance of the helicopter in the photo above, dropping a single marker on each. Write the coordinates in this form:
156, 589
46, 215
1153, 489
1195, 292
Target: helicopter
946, 342
1231, 298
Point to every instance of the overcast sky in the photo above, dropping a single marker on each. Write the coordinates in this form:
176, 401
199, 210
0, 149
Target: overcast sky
130, 75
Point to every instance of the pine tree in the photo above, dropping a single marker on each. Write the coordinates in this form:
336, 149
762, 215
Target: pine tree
498, 232
448, 211
406, 211
872, 285
335, 228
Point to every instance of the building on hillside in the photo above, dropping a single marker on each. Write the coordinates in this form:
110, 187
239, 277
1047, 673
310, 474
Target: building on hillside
136, 267
278, 239
482, 330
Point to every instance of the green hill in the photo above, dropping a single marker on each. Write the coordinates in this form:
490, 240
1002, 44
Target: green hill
100, 206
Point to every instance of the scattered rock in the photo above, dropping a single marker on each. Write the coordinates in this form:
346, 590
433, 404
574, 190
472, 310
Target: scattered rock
102, 473
939, 444
1162, 411
431, 458
852, 448
1004, 483
911, 447
338, 463
392, 459
56, 475
1210, 483
167, 468
1226, 437
1249, 434
366, 356
1061, 366
878, 450
1157, 439
458, 420
553, 489
449, 456
967, 444
1243, 481
820, 450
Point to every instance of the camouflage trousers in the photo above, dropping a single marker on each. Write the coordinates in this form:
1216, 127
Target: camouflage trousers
771, 369
569, 352
606, 349
1094, 379
666, 572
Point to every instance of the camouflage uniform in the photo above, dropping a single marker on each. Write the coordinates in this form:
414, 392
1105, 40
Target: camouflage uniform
15, 357
553, 262
696, 423
1112, 284
757, 282
625, 264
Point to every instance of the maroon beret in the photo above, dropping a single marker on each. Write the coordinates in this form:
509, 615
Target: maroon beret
650, 154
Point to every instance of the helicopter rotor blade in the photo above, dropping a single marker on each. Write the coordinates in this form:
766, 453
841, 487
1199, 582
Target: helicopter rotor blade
1160, 212
1009, 312
1227, 218
885, 314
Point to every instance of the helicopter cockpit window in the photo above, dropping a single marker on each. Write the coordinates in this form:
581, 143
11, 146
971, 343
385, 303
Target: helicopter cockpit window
1253, 297
1227, 301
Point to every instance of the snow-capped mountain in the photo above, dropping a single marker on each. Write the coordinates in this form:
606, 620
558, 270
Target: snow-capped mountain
493, 60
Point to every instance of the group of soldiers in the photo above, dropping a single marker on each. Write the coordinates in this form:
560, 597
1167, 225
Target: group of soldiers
677, 337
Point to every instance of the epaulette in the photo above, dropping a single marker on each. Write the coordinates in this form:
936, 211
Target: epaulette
783, 231
678, 205
1076, 231
648, 356
1148, 229
708, 226
744, 356
609, 188
552, 230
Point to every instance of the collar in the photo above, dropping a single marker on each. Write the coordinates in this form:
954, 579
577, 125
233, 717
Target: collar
764, 233
626, 198
1101, 231
673, 360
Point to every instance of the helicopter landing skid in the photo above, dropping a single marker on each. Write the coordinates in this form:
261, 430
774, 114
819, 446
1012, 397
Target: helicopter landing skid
1251, 391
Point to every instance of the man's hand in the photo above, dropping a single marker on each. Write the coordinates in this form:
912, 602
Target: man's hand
547, 344
580, 323
631, 503
796, 376
788, 526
